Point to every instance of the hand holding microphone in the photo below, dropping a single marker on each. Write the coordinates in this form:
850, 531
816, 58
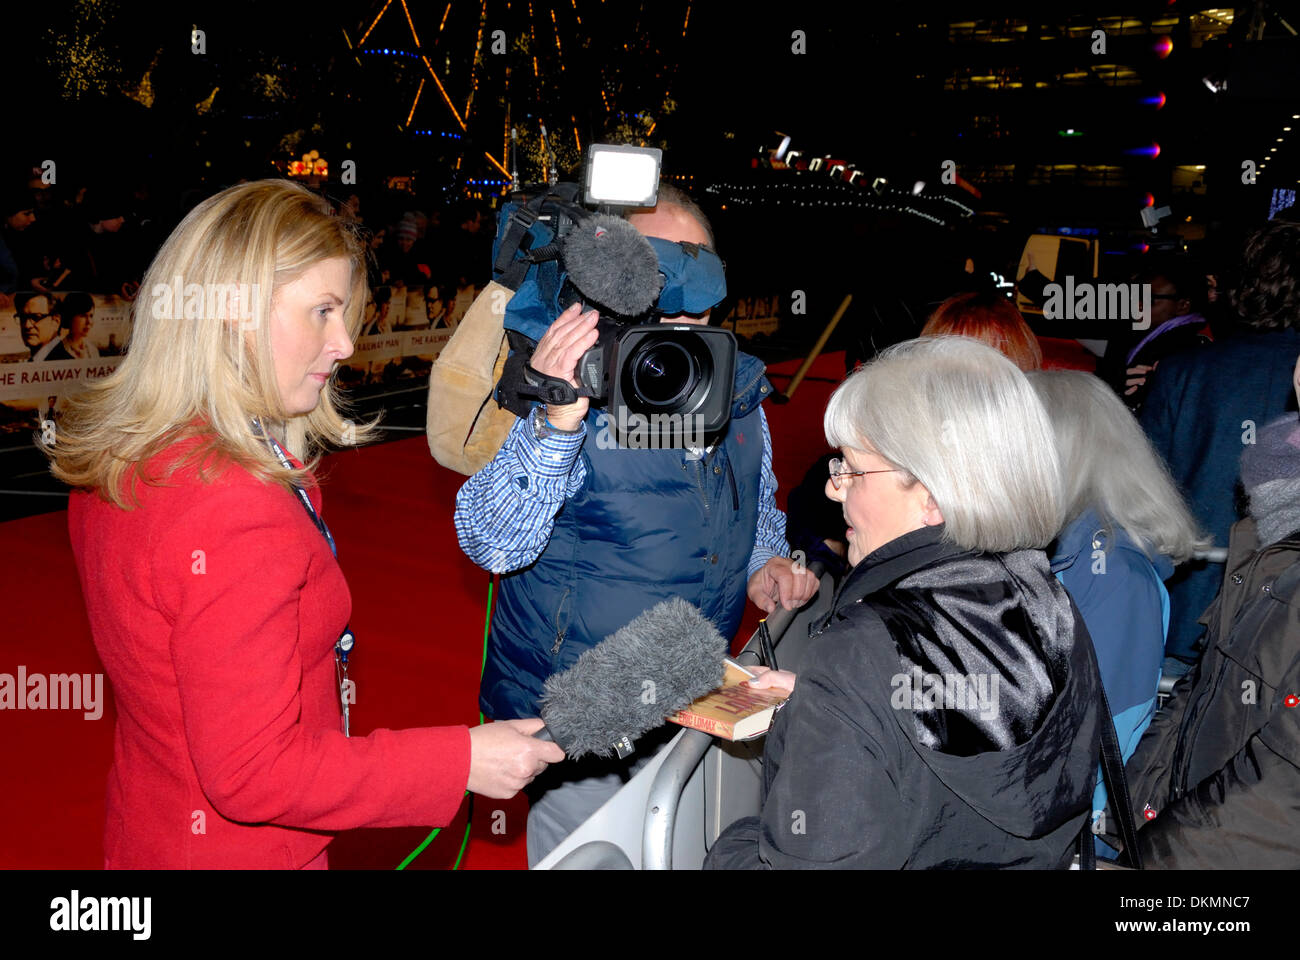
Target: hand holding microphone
618, 690
504, 757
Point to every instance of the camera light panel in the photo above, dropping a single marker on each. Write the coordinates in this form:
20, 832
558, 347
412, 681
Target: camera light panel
623, 175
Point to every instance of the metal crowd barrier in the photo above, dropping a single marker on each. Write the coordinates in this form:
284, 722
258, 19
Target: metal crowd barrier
668, 815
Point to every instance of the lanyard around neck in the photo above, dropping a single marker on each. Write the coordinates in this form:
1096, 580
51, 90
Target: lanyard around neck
343, 647
303, 498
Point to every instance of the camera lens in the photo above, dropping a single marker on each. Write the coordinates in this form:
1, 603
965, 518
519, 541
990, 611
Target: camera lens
663, 373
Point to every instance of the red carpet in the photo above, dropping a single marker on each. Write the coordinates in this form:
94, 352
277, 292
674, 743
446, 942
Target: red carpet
418, 609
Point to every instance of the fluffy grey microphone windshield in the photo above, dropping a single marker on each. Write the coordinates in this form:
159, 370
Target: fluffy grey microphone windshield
613, 265
639, 675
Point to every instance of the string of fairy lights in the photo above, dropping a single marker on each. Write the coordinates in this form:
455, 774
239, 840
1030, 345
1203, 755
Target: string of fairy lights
1280, 140
803, 189
807, 192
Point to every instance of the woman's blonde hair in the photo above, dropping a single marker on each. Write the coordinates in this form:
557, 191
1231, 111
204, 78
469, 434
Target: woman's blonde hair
198, 359
959, 417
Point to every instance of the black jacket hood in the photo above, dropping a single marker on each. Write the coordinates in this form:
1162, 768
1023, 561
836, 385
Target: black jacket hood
989, 681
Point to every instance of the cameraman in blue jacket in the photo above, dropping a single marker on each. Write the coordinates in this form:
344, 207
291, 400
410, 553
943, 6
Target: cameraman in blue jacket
589, 535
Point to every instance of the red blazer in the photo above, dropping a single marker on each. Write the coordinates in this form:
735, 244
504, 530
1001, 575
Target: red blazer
215, 609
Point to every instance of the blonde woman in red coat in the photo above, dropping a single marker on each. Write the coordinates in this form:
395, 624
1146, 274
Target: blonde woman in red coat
214, 597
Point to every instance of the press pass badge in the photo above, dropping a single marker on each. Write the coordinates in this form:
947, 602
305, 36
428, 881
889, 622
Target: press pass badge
341, 650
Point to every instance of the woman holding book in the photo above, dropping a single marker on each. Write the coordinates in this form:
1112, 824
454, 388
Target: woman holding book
948, 713
214, 597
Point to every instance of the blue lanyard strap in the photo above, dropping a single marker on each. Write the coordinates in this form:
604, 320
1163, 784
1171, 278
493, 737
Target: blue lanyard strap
345, 643
298, 491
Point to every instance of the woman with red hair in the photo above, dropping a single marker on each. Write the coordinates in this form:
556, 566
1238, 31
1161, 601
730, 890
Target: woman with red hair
990, 318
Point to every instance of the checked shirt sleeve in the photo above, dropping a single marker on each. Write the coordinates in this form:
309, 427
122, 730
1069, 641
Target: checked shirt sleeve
769, 540
505, 512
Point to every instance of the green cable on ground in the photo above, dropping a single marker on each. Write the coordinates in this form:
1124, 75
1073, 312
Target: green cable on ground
469, 820
420, 849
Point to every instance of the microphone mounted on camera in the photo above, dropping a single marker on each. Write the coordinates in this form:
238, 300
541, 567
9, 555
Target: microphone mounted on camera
661, 384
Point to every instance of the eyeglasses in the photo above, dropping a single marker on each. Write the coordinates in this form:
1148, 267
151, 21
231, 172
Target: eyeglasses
837, 474
34, 317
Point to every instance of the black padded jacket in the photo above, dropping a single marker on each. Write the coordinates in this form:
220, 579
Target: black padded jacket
1218, 770
947, 716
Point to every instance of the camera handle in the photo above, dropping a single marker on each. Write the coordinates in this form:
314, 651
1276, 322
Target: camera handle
550, 390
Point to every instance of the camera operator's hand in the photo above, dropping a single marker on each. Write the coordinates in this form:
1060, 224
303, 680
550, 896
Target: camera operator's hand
504, 757
781, 582
571, 335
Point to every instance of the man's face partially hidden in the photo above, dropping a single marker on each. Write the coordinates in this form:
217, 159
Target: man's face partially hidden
670, 222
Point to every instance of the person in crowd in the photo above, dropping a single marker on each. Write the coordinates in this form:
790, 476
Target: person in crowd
17, 213
1206, 404
1126, 527
1178, 293
1218, 772
77, 318
991, 318
816, 526
406, 260
948, 712
38, 322
96, 257
589, 535
214, 597
350, 208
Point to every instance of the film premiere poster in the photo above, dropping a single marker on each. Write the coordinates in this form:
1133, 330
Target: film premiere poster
403, 331
51, 346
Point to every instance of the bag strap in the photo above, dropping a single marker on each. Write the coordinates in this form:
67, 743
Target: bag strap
1112, 772
515, 254
512, 391
516, 232
1087, 851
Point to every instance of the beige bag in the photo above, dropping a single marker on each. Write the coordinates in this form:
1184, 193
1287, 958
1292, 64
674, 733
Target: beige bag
465, 426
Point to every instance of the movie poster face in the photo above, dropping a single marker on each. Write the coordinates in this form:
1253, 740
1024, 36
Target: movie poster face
404, 330
51, 346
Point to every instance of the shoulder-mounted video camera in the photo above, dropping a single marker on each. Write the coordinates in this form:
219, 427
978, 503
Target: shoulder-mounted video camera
553, 251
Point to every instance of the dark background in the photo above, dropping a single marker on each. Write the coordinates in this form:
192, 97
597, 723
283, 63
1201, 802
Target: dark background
114, 94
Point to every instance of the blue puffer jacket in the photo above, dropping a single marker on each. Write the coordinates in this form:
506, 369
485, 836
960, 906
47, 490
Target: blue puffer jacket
1122, 598
647, 525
